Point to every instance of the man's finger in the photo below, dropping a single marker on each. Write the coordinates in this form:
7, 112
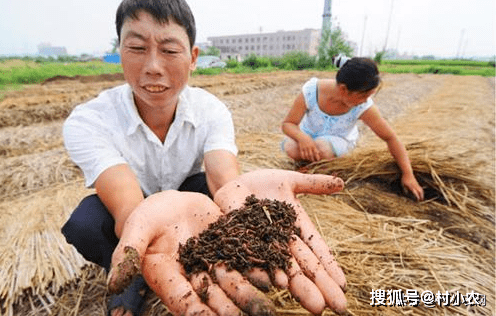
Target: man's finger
246, 296
259, 278
315, 183
212, 295
317, 244
165, 278
304, 290
281, 279
123, 272
127, 256
312, 268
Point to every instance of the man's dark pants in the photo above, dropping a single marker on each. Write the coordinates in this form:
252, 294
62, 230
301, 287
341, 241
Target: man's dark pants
90, 229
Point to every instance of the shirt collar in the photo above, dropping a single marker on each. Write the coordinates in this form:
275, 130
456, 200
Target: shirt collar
184, 110
131, 115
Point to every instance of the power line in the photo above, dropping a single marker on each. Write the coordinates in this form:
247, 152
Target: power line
460, 44
363, 34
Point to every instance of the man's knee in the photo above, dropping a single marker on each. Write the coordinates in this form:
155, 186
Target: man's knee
90, 229
85, 221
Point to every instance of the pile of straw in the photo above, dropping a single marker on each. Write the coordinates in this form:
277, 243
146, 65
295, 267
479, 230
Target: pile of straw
22, 140
39, 104
35, 261
25, 174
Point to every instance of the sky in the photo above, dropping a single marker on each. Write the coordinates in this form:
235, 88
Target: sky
444, 28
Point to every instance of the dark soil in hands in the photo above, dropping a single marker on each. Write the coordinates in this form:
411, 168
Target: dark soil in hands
255, 235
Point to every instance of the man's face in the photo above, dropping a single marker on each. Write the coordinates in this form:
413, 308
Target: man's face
156, 59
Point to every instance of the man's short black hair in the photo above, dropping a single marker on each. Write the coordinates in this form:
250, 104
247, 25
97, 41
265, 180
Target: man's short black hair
161, 10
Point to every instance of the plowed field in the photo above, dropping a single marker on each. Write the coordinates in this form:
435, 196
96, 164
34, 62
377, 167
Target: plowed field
381, 238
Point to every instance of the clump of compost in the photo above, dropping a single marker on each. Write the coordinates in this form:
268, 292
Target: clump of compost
255, 235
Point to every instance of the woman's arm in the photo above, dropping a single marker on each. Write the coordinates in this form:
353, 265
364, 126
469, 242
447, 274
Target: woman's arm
373, 119
290, 127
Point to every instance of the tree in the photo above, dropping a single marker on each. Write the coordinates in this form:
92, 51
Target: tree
115, 45
211, 51
378, 56
332, 44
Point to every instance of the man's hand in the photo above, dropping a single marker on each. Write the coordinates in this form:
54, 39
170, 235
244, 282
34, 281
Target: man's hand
149, 245
314, 276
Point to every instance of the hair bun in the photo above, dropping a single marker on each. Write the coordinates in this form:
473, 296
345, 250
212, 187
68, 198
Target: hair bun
340, 60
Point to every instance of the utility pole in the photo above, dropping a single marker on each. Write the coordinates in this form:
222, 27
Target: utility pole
326, 17
389, 26
325, 33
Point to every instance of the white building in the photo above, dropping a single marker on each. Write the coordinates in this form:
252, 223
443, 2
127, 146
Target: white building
47, 50
267, 44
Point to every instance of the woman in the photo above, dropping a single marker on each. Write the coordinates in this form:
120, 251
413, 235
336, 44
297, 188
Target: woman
322, 124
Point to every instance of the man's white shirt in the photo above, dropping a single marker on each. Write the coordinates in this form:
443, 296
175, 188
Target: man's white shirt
108, 131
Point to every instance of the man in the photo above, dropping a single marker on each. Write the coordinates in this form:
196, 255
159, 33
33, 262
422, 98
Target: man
149, 135
139, 143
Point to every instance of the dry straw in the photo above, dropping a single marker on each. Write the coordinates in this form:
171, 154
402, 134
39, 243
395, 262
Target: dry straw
443, 244
381, 237
25, 174
35, 260
23, 140
41, 104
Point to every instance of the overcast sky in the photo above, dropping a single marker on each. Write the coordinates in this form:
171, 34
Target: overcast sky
443, 28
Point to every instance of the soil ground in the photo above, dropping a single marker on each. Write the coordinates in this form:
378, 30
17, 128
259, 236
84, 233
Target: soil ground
41, 186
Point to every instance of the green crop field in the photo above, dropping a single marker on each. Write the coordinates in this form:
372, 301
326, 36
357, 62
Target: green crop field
455, 67
16, 72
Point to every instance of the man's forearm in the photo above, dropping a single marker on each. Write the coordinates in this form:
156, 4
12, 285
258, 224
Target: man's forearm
120, 192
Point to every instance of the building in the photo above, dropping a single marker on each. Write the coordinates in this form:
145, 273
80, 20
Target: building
203, 46
47, 50
267, 44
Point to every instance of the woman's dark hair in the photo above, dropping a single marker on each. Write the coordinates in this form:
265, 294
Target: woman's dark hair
161, 10
359, 74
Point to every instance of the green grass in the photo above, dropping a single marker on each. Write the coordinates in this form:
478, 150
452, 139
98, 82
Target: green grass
455, 67
14, 73
449, 62
433, 69
20, 72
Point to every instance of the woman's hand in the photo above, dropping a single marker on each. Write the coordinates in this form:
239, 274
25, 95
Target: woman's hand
308, 148
410, 183
314, 276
